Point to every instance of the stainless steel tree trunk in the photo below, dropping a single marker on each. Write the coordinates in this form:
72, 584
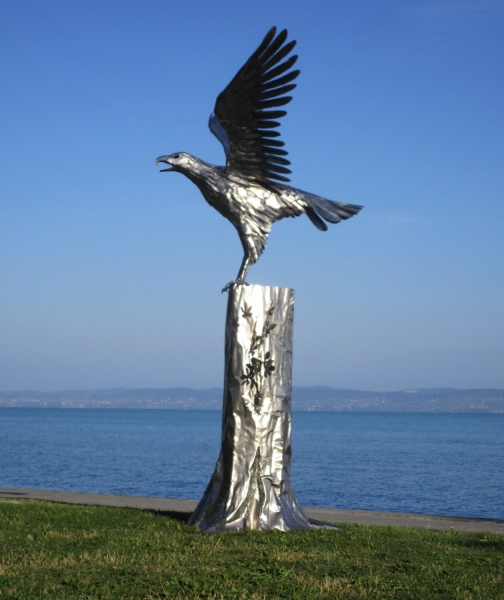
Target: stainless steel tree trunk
251, 486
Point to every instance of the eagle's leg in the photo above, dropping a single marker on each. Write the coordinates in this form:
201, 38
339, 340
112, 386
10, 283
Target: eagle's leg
242, 274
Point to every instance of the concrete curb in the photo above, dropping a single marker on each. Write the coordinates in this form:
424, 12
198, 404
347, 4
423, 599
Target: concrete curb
334, 515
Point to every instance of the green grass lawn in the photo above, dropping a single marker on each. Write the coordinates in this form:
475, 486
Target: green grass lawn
63, 551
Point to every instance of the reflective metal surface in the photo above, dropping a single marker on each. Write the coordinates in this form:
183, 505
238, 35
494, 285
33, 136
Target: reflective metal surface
253, 208
251, 486
250, 190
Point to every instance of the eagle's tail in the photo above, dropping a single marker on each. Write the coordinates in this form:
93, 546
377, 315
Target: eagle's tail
331, 211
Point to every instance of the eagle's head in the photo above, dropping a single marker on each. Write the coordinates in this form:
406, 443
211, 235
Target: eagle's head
180, 161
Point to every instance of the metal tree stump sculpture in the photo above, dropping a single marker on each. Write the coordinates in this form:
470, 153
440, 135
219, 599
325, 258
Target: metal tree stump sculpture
251, 486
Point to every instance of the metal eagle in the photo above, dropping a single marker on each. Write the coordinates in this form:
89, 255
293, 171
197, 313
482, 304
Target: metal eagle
250, 190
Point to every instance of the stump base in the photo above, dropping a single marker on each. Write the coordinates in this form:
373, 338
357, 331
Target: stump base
251, 486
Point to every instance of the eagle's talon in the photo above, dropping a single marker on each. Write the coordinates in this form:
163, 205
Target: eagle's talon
233, 284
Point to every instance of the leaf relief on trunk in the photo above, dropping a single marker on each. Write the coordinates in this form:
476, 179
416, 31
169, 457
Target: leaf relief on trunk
260, 365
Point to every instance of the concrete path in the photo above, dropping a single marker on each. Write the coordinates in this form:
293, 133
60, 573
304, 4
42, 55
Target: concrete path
334, 515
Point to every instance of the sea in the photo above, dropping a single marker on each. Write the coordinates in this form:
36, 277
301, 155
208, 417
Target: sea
428, 463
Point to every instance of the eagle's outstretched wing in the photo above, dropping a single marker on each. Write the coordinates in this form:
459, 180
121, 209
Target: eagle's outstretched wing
243, 122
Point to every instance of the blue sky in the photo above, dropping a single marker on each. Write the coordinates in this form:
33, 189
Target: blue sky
111, 272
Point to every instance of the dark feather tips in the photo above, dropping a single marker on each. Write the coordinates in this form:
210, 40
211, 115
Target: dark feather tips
243, 109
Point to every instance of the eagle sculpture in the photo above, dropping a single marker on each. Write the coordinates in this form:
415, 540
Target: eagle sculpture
251, 191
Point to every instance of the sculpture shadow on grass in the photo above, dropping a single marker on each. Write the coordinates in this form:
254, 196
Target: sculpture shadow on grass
182, 517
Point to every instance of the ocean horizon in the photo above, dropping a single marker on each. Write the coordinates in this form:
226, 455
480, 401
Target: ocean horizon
304, 398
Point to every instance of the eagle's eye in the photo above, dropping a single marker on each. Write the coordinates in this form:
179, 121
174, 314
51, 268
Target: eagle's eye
176, 156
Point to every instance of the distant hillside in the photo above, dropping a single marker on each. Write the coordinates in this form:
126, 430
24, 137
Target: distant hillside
303, 398
420, 400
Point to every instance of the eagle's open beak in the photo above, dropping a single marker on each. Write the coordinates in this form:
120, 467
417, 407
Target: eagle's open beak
164, 159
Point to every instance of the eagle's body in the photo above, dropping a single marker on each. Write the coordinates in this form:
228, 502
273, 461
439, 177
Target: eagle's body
245, 190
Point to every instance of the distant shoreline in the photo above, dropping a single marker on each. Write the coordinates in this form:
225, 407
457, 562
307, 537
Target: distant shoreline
294, 410
304, 399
